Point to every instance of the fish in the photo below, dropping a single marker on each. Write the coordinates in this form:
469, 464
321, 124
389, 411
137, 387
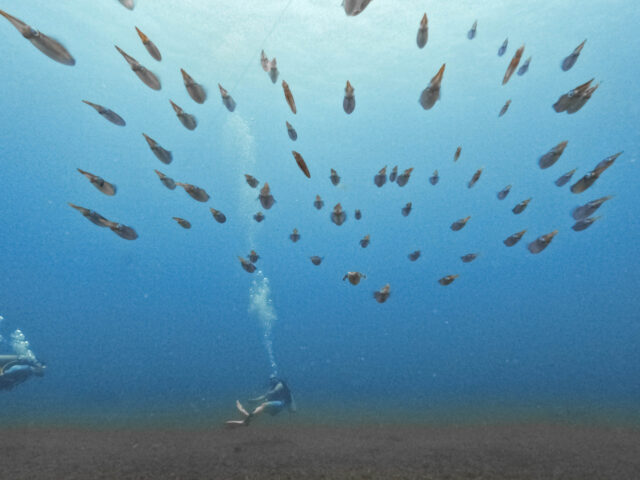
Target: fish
503, 47
471, 34
564, 179
247, 265
540, 243
338, 216
513, 239
123, 231
273, 70
404, 177
166, 181
265, 197
289, 97
381, 177
165, 156
293, 135
413, 256
588, 180
93, 217
334, 177
354, 277
264, 61
147, 77
394, 174
456, 155
149, 45
431, 94
127, 4
227, 100
354, 7
301, 163
182, 222
364, 241
576, 98
584, 223
513, 64
519, 208
469, 257
589, 208
194, 192
581, 99
406, 210
110, 115
423, 32
218, 215
251, 180
194, 89
552, 156
504, 108
258, 217
571, 59
435, 178
295, 236
447, 280
318, 203
51, 47
475, 178
349, 102
502, 194
253, 256
357, 214
566, 99
98, 182
316, 260
459, 224
382, 295
186, 119
607, 162
524, 68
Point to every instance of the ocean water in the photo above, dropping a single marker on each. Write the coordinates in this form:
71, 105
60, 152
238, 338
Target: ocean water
168, 329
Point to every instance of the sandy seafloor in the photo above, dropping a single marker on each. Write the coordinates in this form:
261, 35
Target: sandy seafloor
516, 451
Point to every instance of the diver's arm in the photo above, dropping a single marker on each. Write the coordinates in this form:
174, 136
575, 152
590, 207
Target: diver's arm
269, 395
274, 392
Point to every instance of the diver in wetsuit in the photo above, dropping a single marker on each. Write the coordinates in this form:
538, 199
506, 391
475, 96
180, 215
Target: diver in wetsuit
15, 369
276, 399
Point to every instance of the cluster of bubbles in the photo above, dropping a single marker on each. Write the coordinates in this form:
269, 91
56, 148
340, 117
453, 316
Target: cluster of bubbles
260, 304
19, 344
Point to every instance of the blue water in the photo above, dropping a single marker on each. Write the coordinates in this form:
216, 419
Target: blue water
159, 329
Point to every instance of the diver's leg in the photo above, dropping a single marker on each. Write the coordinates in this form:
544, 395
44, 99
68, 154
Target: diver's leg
240, 423
242, 409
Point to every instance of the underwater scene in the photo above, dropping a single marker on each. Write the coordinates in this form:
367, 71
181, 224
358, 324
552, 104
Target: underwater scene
321, 239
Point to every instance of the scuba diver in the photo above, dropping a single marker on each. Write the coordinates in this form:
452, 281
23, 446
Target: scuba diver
15, 369
276, 399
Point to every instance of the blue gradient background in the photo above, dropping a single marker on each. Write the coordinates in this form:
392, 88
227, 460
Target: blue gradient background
157, 330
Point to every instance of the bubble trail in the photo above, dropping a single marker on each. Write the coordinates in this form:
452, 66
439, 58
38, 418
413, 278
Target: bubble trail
261, 305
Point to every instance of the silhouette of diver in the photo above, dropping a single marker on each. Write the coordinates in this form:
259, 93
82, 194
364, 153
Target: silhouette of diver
15, 369
276, 399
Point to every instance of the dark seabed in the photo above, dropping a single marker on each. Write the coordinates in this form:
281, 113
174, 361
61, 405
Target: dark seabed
514, 452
